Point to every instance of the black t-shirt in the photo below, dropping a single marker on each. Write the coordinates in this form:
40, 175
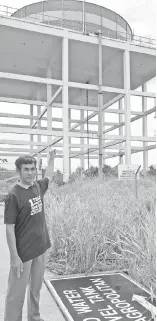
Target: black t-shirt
25, 208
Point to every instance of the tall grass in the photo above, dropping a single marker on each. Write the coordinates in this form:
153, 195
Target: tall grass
98, 225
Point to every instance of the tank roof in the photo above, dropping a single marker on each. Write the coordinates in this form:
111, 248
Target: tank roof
77, 15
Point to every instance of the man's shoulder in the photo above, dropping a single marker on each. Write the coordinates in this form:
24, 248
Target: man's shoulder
13, 190
12, 195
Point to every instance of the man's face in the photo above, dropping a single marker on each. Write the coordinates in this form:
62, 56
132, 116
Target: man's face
27, 173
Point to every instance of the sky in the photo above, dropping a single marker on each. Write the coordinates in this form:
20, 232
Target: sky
141, 15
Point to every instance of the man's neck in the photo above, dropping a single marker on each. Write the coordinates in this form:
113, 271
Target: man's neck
25, 185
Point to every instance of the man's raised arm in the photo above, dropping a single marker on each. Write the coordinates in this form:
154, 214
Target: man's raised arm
50, 166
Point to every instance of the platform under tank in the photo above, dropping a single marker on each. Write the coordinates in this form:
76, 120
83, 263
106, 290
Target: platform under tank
36, 49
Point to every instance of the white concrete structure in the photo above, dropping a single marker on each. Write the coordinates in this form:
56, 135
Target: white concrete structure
48, 62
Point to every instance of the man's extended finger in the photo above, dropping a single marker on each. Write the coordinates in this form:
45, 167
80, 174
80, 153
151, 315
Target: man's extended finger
21, 267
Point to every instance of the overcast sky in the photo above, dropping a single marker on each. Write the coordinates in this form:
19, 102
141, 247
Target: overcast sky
141, 15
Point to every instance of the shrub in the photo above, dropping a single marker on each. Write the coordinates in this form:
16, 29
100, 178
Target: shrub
152, 170
93, 171
109, 171
58, 178
4, 173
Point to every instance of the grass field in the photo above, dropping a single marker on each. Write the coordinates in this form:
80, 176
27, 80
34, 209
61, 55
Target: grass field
99, 225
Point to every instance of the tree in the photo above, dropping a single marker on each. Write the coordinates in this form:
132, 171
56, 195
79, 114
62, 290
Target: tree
152, 170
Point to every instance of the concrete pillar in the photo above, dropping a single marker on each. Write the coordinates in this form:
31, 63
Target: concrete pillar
84, 17
120, 130
103, 150
49, 112
31, 123
100, 104
155, 116
70, 159
127, 107
39, 158
65, 105
38, 136
88, 154
82, 139
144, 129
62, 20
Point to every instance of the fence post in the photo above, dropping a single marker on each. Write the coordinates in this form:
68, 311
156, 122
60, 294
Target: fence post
136, 181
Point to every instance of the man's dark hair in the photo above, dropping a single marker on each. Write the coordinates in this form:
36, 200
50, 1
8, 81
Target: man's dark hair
24, 160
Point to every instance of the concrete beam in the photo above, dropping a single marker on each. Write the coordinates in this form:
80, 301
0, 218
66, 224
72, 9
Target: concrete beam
50, 81
146, 113
27, 143
78, 146
77, 107
54, 119
142, 93
27, 78
74, 35
71, 134
49, 103
31, 131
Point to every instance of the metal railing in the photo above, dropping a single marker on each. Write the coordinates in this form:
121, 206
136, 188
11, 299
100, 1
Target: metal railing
77, 26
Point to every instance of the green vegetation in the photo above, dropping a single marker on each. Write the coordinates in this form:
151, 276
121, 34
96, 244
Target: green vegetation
98, 225
5, 174
5, 186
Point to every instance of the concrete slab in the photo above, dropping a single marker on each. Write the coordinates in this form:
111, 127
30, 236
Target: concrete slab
48, 308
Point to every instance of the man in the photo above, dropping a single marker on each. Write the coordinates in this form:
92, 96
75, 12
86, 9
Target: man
27, 238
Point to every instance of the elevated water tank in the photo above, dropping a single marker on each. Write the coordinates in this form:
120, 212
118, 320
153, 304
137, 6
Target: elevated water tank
77, 15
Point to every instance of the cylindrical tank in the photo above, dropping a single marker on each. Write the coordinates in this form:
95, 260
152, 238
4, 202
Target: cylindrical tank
77, 15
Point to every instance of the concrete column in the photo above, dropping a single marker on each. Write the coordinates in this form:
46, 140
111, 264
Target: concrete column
88, 154
82, 139
70, 159
100, 104
120, 130
62, 20
49, 112
65, 105
31, 123
144, 129
39, 158
127, 107
38, 136
103, 150
84, 17
155, 116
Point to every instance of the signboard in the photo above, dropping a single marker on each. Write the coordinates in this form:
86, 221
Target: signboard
127, 172
109, 296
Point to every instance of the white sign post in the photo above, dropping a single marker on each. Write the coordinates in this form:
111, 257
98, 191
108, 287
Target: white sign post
129, 172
